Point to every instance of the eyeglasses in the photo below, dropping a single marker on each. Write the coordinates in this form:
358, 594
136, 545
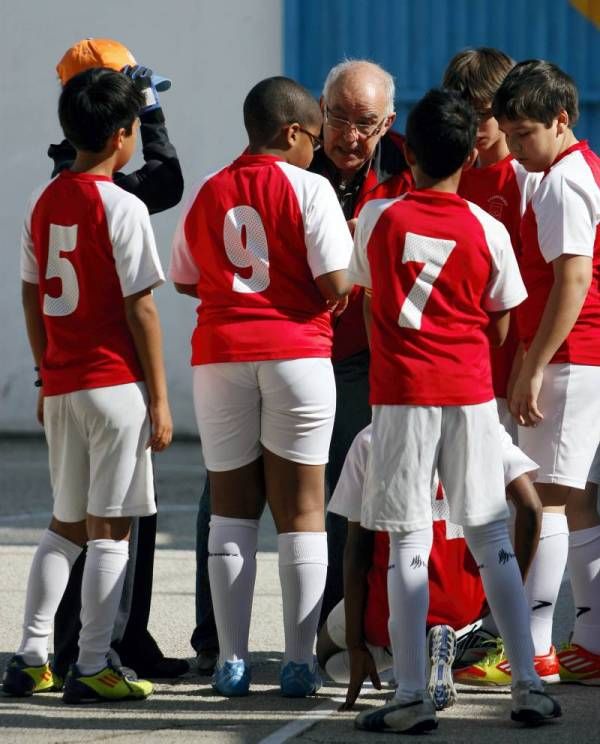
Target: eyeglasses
317, 143
364, 131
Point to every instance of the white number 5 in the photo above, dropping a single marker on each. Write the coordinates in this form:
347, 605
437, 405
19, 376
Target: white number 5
62, 238
252, 252
433, 252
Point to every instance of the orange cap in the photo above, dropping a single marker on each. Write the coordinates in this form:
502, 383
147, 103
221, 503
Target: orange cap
93, 53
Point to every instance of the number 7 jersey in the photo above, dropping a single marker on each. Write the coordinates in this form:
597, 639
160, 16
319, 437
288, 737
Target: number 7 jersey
87, 244
252, 240
437, 265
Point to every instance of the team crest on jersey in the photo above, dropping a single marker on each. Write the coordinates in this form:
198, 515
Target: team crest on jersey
495, 206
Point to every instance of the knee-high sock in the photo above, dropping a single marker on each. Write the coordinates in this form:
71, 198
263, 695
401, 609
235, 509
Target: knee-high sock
302, 573
584, 570
101, 590
232, 572
545, 577
408, 596
492, 549
48, 577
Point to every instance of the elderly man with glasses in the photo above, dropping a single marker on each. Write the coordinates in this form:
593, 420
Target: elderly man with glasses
363, 159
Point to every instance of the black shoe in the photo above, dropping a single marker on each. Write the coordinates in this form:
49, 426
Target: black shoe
206, 661
163, 668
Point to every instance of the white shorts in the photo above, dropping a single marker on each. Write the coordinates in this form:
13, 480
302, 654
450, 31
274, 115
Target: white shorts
410, 442
514, 460
99, 463
565, 441
287, 406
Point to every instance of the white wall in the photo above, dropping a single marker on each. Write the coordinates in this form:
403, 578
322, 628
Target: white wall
213, 51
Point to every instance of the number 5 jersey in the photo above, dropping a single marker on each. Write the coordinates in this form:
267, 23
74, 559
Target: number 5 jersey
87, 244
252, 240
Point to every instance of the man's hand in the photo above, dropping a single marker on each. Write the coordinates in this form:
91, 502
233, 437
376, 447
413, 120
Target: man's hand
352, 225
362, 666
524, 397
162, 426
142, 78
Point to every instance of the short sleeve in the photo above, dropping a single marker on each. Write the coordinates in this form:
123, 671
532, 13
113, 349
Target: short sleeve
326, 235
183, 269
134, 248
359, 270
505, 288
347, 497
567, 216
29, 265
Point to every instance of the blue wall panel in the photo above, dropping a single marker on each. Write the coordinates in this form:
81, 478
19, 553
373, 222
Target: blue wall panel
414, 39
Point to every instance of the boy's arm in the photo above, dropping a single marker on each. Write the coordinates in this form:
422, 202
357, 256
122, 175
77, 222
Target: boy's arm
144, 325
187, 289
572, 279
358, 554
36, 333
497, 329
368, 312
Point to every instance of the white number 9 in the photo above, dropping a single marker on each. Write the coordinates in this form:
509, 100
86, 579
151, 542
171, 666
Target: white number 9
252, 252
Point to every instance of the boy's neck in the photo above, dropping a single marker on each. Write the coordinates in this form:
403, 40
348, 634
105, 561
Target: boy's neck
94, 163
448, 185
493, 155
257, 150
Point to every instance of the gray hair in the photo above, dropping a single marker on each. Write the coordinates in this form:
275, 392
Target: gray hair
349, 65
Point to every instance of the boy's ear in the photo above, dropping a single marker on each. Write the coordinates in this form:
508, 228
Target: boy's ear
409, 155
562, 121
471, 159
322, 105
291, 133
118, 138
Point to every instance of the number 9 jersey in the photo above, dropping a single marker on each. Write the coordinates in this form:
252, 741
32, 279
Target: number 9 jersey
437, 265
87, 244
252, 239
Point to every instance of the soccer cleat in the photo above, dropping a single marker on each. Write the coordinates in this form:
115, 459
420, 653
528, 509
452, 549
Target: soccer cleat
20, 680
109, 684
299, 680
494, 669
578, 665
441, 645
531, 705
414, 717
473, 645
232, 679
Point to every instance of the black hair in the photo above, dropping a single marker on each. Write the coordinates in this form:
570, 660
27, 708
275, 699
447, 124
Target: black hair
441, 130
477, 73
275, 102
95, 104
536, 90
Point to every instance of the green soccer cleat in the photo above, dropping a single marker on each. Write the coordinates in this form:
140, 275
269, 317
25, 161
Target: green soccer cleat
109, 684
20, 680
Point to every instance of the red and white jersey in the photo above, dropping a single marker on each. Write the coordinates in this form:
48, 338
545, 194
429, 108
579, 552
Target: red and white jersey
456, 595
503, 189
563, 218
87, 244
437, 265
253, 239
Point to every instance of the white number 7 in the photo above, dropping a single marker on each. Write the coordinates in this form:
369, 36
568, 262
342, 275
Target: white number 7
433, 252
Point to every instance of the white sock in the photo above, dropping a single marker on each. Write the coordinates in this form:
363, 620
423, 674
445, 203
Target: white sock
584, 570
492, 549
101, 589
302, 573
48, 577
232, 572
408, 596
545, 577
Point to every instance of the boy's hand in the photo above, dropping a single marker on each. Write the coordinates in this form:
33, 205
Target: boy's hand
337, 308
40, 406
162, 426
524, 398
352, 225
362, 666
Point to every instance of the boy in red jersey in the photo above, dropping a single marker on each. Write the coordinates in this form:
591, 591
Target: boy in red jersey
264, 245
554, 398
443, 277
89, 264
501, 186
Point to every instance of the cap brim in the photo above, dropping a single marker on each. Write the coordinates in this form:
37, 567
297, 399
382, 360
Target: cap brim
161, 83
